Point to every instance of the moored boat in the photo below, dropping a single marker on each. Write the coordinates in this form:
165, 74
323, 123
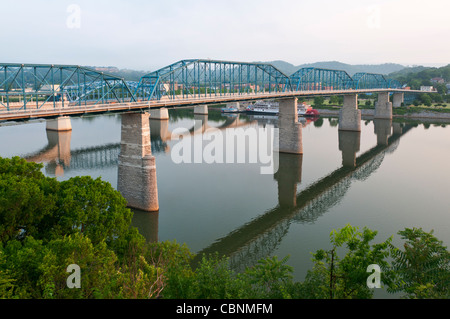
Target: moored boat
230, 110
272, 108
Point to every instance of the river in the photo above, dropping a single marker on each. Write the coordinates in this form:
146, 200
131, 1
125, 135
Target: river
401, 179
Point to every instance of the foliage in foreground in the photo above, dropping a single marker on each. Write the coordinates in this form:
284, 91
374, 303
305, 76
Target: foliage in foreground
46, 225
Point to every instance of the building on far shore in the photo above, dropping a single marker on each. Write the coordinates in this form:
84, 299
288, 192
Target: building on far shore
427, 88
437, 80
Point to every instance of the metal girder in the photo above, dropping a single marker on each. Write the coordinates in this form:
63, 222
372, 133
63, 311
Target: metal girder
369, 81
200, 78
25, 86
394, 84
307, 79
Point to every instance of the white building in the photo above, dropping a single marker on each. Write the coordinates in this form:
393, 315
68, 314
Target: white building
427, 89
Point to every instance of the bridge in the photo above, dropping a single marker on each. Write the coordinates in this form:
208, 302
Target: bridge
29, 91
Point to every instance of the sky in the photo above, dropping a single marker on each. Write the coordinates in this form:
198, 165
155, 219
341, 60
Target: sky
149, 34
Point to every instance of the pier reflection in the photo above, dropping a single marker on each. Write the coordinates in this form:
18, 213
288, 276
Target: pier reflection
349, 145
288, 176
383, 129
260, 237
56, 154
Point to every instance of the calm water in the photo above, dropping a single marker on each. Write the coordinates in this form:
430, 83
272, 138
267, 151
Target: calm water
236, 210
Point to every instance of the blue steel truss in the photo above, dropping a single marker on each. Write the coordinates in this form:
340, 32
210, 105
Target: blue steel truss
369, 81
394, 84
34, 86
316, 79
37, 86
203, 78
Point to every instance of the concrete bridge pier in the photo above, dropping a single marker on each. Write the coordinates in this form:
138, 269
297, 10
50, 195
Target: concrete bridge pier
288, 176
398, 99
383, 129
201, 109
349, 145
161, 114
60, 124
137, 170
383, 107
290, 130
350, 115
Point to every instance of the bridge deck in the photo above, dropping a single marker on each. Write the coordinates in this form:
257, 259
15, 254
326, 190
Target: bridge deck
22, 114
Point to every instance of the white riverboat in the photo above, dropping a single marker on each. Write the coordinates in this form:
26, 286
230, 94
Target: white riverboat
273, 108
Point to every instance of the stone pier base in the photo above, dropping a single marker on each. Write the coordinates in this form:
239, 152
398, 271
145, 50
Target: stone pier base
383, 107
201, 109
137, 170
350, 116
398, 99
60, 124
159, 114
290, 130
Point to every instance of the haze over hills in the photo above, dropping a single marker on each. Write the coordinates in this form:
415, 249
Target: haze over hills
385, 68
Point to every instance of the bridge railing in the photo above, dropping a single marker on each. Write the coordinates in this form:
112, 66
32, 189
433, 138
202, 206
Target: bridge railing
39, 88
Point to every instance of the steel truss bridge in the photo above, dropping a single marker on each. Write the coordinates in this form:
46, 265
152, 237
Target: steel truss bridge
40, 90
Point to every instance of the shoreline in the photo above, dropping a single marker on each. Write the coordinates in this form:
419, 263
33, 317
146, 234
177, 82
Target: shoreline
425, 115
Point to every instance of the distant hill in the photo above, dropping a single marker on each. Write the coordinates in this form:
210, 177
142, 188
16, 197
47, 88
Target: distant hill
415, 77
128, 75
405, 71
385, 68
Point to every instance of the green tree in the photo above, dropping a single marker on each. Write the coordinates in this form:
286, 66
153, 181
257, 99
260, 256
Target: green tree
422, 268
334, 100
319, 101
425, 99
34, 205
336, 277
26, 198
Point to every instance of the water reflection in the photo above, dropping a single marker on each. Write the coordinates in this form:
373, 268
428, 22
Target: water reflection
383, 129
349, 145
147, 223
261, 236
288, 176
57, 153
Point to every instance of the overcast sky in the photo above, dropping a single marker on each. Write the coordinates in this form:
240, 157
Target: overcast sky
148, 34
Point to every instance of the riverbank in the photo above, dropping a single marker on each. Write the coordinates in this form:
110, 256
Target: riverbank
403, 114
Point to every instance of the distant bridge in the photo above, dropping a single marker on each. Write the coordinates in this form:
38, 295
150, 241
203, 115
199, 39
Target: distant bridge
43, 91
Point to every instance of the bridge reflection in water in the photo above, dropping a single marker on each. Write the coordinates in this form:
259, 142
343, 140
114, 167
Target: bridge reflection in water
259, 238
142, 138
